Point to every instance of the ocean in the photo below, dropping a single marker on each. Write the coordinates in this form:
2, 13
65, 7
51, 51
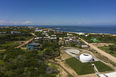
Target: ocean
85, 29
107, 29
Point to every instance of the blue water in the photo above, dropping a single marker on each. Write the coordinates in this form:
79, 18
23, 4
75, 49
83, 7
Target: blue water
86, 29
109, 29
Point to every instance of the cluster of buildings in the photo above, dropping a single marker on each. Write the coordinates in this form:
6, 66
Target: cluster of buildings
46, 38
69, 40
16, 27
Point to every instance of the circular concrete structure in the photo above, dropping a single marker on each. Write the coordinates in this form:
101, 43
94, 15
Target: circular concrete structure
86, 58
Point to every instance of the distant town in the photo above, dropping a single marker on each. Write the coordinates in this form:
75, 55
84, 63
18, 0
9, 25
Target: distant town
27, 51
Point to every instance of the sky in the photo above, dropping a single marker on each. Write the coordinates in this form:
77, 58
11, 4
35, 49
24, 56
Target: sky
57, 12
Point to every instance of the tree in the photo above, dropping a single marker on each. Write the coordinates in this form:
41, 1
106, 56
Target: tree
73, 45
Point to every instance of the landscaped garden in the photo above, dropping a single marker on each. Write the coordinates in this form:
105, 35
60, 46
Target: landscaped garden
86, 68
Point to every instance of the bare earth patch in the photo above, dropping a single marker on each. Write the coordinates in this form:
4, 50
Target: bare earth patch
101, 44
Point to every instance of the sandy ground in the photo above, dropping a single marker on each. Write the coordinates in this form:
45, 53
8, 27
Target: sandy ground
110, 57
101, 44
88, 75
33, 34
62, 73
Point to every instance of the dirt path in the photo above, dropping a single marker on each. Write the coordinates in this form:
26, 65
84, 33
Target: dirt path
3, 50
24, 43
110, 57
33, 34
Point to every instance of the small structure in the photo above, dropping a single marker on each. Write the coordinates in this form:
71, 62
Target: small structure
84, 46
81, 33
35, 46
86, 35
38, 30
57, 32
72, 52
95, 40
53, 37
3, 32
38, 38
15, 32
86, 58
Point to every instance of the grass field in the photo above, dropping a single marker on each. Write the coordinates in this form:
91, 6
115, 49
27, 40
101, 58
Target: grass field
25, 37
14, 43
86, 68
9, 44
107, 50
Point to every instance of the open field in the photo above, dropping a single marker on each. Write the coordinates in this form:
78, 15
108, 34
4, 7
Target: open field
86, 68
15, 42
10, 44
107, 50
101, 44
25, 37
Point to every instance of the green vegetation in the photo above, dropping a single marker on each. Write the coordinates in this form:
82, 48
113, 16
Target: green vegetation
86, 68
13, 40
16, 62
63, 34
102, 38
111, 49
22, 30
95, 40
73, 45
9, 44
33, 63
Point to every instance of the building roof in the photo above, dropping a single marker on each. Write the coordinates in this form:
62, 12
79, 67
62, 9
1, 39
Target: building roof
112, 74
86, 58
34, 44
84, 45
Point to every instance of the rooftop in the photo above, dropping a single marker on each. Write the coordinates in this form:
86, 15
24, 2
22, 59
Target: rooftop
35, 44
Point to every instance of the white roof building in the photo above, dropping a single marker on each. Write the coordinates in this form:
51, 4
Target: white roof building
81, 33
38, 30
86, 58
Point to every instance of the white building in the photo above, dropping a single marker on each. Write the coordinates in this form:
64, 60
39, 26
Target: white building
86, 58
81, 33
38, 30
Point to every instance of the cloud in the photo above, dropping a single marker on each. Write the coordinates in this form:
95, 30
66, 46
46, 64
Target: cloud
5, 22
27, 22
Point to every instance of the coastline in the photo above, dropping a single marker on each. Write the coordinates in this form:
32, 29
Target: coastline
94, 33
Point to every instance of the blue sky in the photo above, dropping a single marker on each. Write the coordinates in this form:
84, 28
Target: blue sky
57, 12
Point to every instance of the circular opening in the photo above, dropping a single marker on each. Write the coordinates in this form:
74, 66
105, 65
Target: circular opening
85, 54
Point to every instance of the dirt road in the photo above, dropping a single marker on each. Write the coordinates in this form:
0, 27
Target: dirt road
24, 43
3, 50
33, 34
110, 57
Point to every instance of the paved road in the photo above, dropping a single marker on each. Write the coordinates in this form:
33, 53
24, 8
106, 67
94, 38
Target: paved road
110, 57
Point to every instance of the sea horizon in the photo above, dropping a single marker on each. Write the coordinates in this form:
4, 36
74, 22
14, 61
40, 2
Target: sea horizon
106, 29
